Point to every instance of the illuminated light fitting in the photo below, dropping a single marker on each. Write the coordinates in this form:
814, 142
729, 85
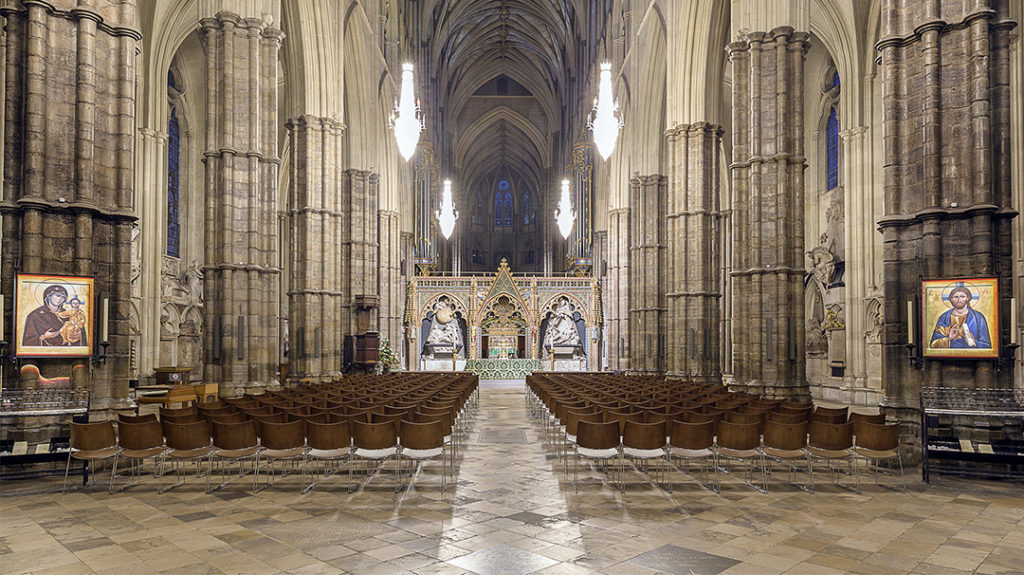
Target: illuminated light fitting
447, 215
564, 214
603, 122
407, 122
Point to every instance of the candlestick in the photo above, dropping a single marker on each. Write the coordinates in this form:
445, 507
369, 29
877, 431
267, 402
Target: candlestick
104, 319
910, 321
1013, 319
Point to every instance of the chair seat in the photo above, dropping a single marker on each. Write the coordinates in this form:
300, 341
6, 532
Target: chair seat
829, 453
736, 453
141, 453
422, 453
598, 453
375, 453
329, 453
96, 453
642, 453
283, 453
188, 453
237, 453
784, 453
680, 452
875, 453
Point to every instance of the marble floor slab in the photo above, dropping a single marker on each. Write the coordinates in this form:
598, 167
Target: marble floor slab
512, 509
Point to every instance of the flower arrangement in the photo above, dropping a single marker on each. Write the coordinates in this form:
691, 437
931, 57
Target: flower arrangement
389, 362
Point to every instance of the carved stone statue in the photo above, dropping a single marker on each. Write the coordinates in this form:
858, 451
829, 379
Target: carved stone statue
562, 330
194, 280
445, 330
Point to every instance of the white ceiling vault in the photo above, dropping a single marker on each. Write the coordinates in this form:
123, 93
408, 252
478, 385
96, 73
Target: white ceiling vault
507, 81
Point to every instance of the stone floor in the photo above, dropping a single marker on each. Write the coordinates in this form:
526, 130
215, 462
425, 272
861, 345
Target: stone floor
512, 511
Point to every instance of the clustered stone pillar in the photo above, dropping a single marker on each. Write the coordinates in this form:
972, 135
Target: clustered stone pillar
694, 262
360, 279
616, 292
646, 273
392, 290
68, 167
946, 176
315, 296
242, 273
768, 207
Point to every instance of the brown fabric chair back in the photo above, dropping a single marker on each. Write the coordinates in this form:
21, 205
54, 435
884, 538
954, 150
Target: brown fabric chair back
685, 435
375, 435
123, 418
834, 436
425, 435
643, 435
185, 436
142, 435
593, 435
327, 436
282, 435
93, 436
787, 436
738, 436
234, 435
878, 437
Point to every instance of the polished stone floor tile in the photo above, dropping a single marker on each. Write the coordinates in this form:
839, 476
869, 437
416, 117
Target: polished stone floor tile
512, 509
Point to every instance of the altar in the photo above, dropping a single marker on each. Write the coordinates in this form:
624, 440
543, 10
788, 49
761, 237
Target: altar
504, 326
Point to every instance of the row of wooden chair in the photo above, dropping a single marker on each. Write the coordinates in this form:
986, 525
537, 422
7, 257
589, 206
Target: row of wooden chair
228, 433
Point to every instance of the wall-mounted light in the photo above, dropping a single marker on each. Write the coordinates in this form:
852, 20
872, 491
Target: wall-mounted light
407, 121
564, 214
603, 122
447, 215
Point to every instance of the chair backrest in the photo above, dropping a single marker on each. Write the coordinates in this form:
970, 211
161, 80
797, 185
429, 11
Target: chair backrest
327, 436
123, 418
183, 418
237, 435
375, 435
833, 436
878, 437
685, 435
739, 436
623, 417
445, 419
828, 417
787, 436
175, 412
279, 417
593, 435
425, 435
643, 435
235, 417
282, 435
141, 435
185, 436
833, 411
788, 417
857, 418
737, 417
92, 436
394, 419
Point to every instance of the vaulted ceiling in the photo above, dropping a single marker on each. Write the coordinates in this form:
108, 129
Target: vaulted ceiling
507, 75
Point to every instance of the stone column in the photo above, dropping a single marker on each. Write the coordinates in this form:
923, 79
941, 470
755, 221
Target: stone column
646, 273
768, 204
69, 151
694, 261
389, 272
242, 274
359, 247
315, 294
946, 156
616, 292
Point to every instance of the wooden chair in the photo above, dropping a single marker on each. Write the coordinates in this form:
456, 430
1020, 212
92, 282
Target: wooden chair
376, 442
598, 441
92, 442
742, 442
236, 442
282, 441
421, 441
642, 442
787, 443
694, 441
124, 418
833, 442
140, 441
877, 442
328, 443
186, 443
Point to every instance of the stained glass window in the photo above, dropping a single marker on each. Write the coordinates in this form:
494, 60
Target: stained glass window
508, 209
832, 150
498, 204
173, 185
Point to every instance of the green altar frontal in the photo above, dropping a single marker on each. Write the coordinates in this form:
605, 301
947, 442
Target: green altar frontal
503, 368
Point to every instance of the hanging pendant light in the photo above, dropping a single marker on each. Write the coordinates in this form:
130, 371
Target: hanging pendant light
603, 122
447, 215
407, 121
564, 214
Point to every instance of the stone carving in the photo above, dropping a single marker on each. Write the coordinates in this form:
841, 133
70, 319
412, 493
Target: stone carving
444, 330
194, 279
875, 320
821, 261
562, 330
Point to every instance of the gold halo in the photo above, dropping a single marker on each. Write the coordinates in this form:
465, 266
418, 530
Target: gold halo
42, 284
974, 291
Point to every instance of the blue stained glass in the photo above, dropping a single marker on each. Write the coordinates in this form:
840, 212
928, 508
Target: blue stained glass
835, 80
526, 207
503, 185
498, 220
832, 150
173, 185
508, 209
